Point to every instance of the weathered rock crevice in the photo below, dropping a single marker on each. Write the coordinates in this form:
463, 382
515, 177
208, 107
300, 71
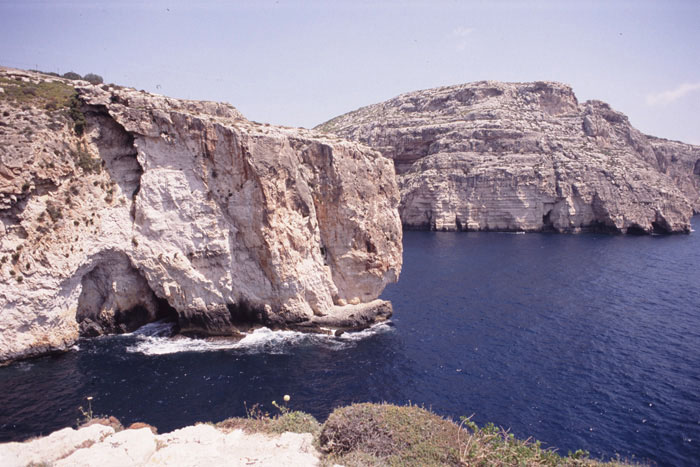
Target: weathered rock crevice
116, 149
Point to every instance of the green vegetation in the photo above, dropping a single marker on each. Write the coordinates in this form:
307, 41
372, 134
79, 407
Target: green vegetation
84, 160
258, 421
387, 435
92, 78
53, 95
86, 413
384, 434
390, 435
77, 115
72, 75
88, 418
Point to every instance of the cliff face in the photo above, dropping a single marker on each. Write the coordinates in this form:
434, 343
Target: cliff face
526, 156
119, 207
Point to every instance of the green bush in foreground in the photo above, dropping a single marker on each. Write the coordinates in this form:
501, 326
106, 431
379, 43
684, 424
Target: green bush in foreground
384, 434
389, 435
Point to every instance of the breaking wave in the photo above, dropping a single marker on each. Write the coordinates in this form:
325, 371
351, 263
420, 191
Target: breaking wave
154, 339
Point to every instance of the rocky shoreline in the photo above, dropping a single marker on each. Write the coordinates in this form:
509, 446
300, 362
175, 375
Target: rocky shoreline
493, 156
119, 208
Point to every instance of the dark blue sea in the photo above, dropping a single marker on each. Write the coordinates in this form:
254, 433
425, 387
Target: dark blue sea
581, 341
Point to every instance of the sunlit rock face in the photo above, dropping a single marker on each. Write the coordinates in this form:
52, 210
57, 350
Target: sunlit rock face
160, 207
526, 157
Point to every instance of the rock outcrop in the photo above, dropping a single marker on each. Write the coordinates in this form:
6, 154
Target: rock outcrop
193, 445
119, 207
526, 157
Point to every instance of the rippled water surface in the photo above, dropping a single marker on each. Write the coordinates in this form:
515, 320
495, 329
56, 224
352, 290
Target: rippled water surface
581, 341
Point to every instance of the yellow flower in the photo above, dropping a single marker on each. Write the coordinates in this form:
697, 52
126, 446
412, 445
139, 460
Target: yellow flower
286, 397
89, 398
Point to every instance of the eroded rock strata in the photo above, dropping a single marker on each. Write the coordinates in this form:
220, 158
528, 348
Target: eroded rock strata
526, 157
119, 207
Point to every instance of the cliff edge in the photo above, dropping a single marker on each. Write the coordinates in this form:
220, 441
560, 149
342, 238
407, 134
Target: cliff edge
120, 207
526, 157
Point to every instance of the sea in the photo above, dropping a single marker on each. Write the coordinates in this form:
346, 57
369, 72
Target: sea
588, 341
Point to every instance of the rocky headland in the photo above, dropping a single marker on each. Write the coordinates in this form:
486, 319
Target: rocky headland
526, 157
120, 207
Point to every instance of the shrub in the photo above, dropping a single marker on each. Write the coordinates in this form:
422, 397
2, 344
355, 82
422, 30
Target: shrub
24, 92
72, 75
85, 161
397, 435
77, 115
296, 422
384, 434
258, 421
92, 78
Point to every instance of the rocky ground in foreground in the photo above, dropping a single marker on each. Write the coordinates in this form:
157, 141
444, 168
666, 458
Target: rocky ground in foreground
526, 157
357, 435
101, 445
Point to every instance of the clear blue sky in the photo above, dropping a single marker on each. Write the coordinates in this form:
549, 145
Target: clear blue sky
300, 63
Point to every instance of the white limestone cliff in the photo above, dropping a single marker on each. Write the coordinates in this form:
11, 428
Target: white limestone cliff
165, 207
526, 156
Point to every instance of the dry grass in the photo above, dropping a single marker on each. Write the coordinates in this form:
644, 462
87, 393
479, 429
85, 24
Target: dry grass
52, 94
258, 421
384, 434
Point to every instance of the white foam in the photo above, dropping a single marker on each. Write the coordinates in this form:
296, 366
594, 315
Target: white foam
379, 328
157, 328
262, 340
24, 366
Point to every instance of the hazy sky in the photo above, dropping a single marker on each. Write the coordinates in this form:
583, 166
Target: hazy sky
300, 63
